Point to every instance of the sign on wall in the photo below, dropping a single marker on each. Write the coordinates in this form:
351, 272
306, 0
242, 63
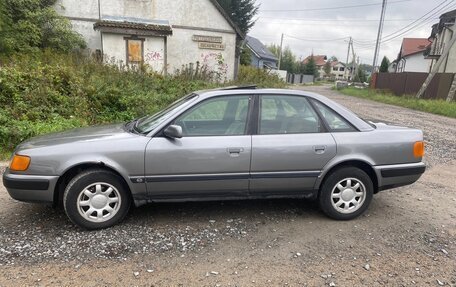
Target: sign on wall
209, 42
212, 46
208, 39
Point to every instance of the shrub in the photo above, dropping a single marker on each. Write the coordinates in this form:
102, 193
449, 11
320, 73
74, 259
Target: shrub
49, 92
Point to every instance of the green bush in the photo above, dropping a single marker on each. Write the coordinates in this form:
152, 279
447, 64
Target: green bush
47, 92
249, 75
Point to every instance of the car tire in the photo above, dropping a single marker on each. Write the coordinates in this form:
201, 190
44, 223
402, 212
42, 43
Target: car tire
96, 199
346, 193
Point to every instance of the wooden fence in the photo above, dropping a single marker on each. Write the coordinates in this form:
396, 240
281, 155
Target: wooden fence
409, 83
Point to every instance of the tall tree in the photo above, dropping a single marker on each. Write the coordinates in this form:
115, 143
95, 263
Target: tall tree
360, 75
289, 62
246, 56
310, 68
29, 25
241, 12
327, 69
384, 65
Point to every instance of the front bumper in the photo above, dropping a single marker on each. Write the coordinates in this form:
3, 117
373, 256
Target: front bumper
30, 188
391, 176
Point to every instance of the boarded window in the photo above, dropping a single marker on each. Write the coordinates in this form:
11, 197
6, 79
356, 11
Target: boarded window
135, 51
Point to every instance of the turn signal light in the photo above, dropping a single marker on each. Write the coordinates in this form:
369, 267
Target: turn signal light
418, 149
20, 163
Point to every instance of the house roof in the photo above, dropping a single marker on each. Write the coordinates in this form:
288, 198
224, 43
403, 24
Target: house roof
412, 46
145, 28
448, 18
320, 60
335, 63
228, 18
259, 49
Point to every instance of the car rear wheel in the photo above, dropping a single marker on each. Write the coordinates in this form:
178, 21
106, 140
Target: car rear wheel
346, 193
96, 199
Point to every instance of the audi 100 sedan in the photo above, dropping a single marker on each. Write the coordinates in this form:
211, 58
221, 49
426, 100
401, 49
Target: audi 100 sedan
236, 143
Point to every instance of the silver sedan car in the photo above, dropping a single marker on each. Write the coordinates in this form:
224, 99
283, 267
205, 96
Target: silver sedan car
234, 143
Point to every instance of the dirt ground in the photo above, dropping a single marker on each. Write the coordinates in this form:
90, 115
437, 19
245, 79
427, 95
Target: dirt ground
407, 237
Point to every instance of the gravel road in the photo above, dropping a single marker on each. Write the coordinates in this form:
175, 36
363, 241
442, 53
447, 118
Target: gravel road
407, 237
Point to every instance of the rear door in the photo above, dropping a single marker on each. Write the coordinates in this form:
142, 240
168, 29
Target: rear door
290, 148
212, 159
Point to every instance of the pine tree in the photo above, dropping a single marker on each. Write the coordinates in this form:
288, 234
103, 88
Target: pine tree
310, 68
241, 12
384, 65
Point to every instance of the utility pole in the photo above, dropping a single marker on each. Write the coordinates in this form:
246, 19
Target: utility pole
348, 54
280, 52
379, 35
353, 63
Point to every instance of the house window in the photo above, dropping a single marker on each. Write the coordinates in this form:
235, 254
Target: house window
335, 68
341, 69
135, 51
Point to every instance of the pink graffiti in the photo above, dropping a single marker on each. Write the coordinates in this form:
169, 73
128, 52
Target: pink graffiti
153, 56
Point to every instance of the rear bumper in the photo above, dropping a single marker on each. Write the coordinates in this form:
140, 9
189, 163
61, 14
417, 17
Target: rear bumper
391, 176
30, 188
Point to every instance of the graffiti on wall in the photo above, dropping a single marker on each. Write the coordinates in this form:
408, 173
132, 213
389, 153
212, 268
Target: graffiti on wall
215, 63
153, 56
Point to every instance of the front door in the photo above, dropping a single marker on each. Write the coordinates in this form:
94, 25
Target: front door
212, 158
291, 147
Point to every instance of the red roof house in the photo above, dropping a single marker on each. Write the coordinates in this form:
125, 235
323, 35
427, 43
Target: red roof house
411, 56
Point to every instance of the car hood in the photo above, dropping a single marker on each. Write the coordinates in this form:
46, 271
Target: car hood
107, 132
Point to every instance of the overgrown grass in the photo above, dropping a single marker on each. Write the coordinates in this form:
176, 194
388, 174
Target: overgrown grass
438, 107
49, 92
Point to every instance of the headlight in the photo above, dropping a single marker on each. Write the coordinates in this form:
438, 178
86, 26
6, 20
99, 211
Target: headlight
20, 163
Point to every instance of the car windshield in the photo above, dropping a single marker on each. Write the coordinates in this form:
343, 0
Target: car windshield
148, 123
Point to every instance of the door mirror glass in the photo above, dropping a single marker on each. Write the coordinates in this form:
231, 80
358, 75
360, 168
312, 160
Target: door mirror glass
173, 131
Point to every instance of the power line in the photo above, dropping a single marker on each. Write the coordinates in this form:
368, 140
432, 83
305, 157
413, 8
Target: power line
330, 8
316, 40
385, 38
332, 20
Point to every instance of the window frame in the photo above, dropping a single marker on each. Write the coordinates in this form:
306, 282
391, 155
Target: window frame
328, 127
257, 114
247, 129
127, 54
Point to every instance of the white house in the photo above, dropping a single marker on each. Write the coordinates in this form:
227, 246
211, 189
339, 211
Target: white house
164, 34
338, 70
411, 56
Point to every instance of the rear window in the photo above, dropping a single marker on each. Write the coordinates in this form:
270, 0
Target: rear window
335, 122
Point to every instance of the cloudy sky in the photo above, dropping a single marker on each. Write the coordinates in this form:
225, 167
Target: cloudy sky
323, 26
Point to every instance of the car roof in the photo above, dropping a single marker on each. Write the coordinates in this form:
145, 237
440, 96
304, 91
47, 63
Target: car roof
360, 124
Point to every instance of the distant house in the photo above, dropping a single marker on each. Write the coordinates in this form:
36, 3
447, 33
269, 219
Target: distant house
320, 61
261, 57
441, 35
338, 70
411, 56
392, 67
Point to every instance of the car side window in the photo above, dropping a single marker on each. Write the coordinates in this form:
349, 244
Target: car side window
221, 116
287, 115
335, 122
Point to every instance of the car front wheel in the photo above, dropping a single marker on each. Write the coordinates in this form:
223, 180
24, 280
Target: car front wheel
346, 193
96, 199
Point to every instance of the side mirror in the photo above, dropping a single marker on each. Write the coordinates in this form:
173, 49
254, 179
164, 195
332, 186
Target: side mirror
173, 132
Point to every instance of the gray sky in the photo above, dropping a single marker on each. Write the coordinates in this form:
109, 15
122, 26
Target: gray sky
359, 22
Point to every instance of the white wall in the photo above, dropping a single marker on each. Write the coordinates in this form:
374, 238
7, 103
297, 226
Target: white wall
416, 63
182, 50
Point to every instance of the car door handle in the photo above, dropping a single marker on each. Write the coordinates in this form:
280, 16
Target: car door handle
232, 150
319, 149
